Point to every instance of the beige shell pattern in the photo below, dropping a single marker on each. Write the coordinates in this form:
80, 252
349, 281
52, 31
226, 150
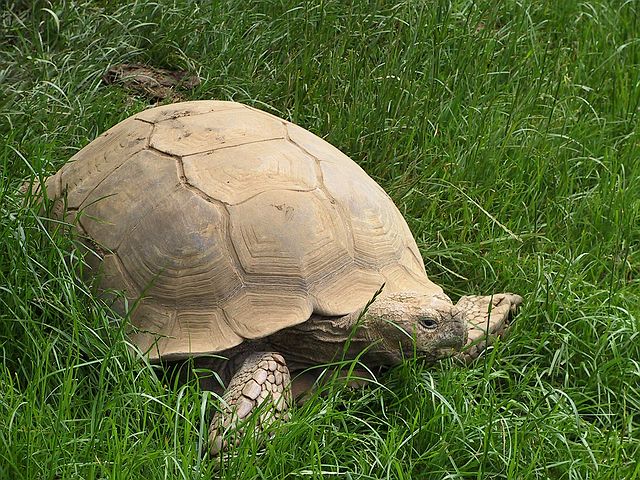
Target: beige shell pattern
221, 223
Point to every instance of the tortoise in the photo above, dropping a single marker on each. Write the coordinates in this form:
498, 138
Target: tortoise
240, 237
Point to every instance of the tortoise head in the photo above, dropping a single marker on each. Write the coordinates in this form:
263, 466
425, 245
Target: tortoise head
401, 324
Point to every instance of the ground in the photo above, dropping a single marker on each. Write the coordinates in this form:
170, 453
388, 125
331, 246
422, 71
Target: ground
506, 132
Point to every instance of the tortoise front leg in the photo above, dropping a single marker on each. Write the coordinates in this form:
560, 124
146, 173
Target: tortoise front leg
263, 376
487, 319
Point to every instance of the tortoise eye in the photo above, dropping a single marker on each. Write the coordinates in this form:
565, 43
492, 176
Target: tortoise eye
428, 323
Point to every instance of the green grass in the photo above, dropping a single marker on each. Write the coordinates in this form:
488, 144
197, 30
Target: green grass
506, 132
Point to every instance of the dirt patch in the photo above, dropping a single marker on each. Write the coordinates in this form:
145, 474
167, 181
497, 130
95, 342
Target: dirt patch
156, 84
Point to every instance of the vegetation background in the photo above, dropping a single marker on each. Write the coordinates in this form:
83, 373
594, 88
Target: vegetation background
506, 132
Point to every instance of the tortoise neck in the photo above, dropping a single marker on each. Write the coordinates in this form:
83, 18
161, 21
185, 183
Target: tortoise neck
322, 340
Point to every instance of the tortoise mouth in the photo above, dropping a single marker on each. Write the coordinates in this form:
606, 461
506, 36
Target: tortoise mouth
434, 356
447, 346
447, 352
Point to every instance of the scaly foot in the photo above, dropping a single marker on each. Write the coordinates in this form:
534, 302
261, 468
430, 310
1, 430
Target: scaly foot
263, 377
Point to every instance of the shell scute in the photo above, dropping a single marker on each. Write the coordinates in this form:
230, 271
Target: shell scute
271, 307
289, 234
346, 290
374, 218
206, 132
233, 175
178, 255
116, 205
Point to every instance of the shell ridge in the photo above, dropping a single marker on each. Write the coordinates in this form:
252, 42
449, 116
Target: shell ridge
197, 114
301, 190
204, 152
144, 121
186, 110
161, 153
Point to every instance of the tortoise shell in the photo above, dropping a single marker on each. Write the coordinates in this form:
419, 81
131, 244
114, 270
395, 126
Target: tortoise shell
221, 223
